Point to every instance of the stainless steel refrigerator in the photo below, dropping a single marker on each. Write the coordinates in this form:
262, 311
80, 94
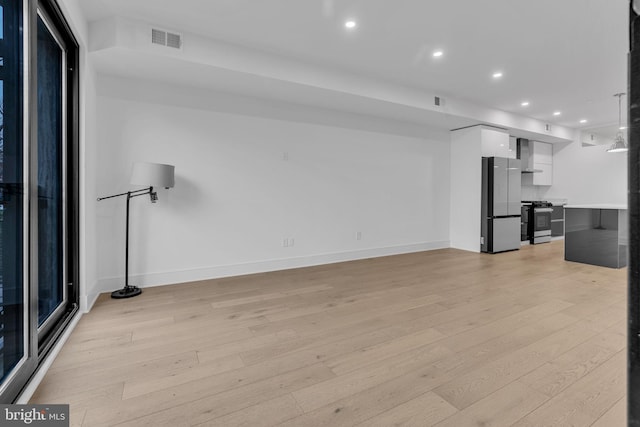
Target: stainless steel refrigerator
501, 216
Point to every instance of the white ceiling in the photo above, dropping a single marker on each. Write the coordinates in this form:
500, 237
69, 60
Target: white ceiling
566, 55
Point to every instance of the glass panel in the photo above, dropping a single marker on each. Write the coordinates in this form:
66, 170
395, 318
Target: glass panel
12, 319
50, 174
542, 221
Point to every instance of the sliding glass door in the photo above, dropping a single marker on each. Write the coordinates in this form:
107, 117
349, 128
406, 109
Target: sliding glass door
51, 172
38, 186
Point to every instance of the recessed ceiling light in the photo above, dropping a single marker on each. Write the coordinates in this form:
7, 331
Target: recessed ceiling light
556, 113
622, 127
583, 121
525, 103
438, 53
350, 24
497, 74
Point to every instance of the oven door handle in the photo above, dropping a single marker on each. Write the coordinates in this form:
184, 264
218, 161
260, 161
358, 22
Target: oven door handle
536, 210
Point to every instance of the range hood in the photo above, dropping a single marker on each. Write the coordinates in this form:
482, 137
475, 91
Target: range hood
524, 154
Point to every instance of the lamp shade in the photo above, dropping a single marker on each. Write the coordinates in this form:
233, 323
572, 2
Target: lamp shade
153, 175
619, 145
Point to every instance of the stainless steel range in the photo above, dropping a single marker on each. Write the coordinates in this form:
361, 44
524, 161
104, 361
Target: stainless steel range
540, 222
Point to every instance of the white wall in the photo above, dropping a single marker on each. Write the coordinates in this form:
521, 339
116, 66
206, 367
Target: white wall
587, 174
244, 182
88, 165
466, 188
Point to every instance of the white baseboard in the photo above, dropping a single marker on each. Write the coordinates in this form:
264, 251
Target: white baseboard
87, 301
182, 276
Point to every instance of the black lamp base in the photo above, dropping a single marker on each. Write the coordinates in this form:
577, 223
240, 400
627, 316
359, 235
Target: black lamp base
126, 292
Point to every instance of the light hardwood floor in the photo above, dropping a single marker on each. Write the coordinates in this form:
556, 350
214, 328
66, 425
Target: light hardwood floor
446, 338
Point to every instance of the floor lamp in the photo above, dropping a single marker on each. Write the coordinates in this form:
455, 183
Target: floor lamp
150, 175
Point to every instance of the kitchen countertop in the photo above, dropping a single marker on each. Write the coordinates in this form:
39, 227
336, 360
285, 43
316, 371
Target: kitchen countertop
598, 206
557, 202
554, 202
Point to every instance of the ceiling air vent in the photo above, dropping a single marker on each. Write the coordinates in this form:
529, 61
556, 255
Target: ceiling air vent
165, 38
174, 40
158, 37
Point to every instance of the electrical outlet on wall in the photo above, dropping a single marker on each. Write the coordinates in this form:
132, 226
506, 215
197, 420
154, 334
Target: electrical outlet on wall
288, 242
358, 235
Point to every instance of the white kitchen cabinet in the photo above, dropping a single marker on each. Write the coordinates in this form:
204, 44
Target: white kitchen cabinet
545, 177
542, 155
495, 143
542, 152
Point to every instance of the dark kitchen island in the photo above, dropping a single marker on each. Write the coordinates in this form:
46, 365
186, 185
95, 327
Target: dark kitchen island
596, 234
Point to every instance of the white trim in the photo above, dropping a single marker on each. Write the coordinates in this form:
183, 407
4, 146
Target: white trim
182, 276
87, 301
44, 366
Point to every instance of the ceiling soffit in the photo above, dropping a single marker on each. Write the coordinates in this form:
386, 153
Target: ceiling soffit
239, 68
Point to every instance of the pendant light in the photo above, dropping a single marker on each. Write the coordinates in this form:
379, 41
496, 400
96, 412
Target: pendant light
619, 145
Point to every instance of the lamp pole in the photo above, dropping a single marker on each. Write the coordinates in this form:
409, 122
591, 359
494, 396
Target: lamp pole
126, 247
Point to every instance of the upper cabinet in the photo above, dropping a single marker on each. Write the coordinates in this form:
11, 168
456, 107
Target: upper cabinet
542, 152
496, 143
542, 156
